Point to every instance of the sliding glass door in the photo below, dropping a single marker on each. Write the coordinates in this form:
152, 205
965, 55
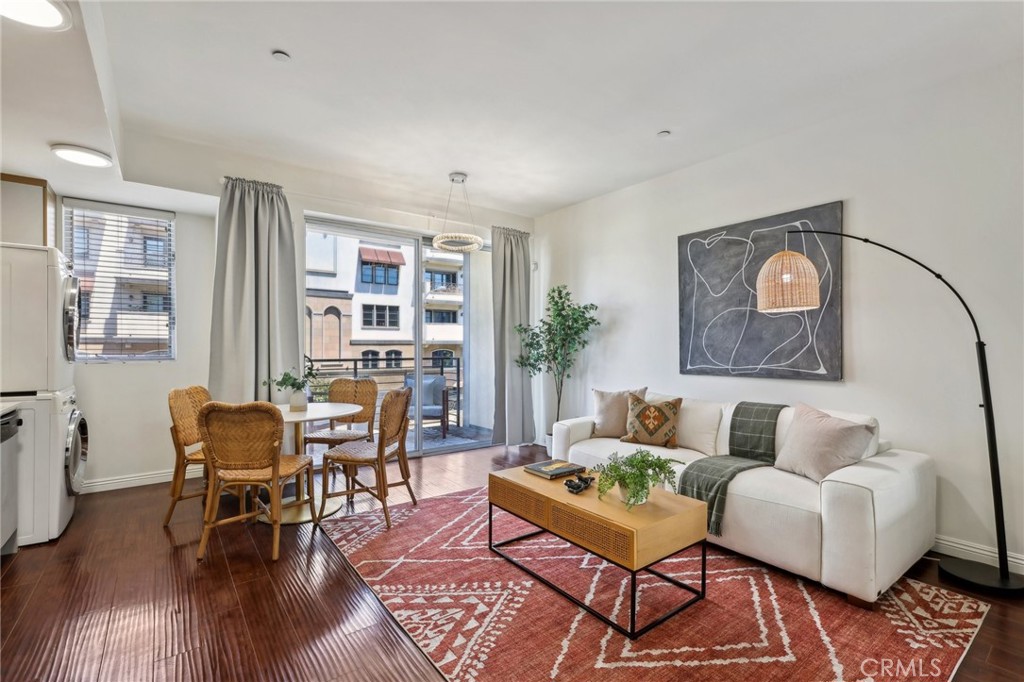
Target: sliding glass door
382, 303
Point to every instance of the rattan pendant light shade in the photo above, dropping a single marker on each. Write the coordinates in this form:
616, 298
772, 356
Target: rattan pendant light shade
788, 282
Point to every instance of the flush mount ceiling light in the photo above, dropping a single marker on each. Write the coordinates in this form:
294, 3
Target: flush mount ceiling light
82, 155
53, 15
457, 242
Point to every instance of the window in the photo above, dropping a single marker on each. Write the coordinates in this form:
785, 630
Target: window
393, 359
442, 358
371, 359
378, 273
434, 280
124, 257
154, 251
380, 316
84, 299
442, 316
80, 246
155, 303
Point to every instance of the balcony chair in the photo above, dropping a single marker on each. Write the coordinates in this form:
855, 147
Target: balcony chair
243, 448
435, 399
362, 392
184, 404
390, 446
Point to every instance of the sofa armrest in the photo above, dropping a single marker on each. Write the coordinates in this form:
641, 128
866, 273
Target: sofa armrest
567, 432
877, 520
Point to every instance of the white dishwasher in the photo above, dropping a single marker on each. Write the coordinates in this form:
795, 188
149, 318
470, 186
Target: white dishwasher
10, 446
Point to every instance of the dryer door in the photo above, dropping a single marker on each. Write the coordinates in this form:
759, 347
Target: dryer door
76, 452
70, 321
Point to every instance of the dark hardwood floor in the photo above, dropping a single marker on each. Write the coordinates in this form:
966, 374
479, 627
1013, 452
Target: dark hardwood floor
119, 597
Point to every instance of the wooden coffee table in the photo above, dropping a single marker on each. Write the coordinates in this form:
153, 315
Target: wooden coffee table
633, 540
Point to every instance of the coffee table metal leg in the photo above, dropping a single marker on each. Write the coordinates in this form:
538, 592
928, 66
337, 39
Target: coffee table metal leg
632, 632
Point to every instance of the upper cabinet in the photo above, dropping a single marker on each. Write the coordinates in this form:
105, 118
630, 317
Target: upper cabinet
28, 211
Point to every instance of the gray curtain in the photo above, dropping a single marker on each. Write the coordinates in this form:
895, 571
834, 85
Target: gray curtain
255, 329
513, 399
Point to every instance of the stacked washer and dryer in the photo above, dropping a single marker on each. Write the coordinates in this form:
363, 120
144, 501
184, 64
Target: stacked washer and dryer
38, 337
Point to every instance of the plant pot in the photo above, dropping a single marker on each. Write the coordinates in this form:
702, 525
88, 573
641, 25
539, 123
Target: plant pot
547, 444
624, 494
298, 402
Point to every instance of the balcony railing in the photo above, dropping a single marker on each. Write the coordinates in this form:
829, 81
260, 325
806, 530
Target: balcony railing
390, 373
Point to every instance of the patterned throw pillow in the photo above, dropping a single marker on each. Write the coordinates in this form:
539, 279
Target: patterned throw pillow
652, 423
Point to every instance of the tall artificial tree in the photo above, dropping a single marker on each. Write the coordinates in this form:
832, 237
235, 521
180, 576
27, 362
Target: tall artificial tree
553, 345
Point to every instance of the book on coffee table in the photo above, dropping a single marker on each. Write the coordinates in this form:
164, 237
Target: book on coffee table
555, 468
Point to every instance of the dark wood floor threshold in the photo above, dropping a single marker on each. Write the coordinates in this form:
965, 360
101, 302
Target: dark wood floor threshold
119, 597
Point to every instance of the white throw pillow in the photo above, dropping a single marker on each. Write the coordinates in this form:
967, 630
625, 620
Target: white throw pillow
611, 408
818, 444
698, 425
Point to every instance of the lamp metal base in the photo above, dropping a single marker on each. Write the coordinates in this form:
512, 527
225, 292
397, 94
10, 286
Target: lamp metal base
982, 577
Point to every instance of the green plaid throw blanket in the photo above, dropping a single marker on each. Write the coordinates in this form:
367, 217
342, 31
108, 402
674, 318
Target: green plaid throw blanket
751, 445
707, 479
752, 431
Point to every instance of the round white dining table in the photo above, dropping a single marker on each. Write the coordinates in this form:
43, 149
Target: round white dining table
314, 412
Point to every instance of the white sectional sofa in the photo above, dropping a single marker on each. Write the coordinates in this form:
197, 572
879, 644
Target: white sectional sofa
857, 531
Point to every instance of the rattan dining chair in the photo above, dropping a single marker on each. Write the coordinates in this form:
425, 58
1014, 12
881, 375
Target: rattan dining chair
362, 392
243, 448
184, 404
390, 446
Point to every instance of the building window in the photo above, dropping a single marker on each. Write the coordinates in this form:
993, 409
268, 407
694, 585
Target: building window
371, 359
84, 300
442, 316
378, 273
442, 358
439, 280
393, 359
80, 245
154, 303
135, 308
380, 316
154, 251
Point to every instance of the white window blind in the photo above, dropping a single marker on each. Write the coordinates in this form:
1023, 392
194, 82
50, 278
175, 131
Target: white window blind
124, 259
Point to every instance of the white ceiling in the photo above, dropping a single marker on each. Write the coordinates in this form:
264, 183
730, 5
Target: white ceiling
543, 104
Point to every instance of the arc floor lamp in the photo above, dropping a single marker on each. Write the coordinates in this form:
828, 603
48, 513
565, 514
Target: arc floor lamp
788, 282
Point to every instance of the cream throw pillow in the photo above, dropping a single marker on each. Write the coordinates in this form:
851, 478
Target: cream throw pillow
610, 411
818, 444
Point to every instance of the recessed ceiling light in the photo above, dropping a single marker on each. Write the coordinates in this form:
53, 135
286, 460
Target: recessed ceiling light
281, 56
49, 14
664, 133
82, 155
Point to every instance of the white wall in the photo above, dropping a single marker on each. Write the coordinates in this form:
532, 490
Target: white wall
126, 402
937, 174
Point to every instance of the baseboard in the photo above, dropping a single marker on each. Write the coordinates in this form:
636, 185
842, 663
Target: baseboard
99, 485
975, 552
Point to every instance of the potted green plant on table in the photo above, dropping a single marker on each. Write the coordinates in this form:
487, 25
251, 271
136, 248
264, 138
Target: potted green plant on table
553, 345
299, 400
635, 474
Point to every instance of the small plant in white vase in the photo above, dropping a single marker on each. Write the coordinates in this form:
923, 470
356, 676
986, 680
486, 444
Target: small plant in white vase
635, 474
299, 401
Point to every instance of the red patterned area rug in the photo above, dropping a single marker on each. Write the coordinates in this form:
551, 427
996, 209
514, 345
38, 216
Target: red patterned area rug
481, 619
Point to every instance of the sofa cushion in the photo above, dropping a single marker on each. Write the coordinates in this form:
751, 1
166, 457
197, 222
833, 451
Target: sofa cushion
818, 444
699, 421
652, 423
595, 451
764, 507
698, 425
611, 408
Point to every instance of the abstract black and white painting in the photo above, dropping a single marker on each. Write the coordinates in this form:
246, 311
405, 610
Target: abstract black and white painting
720, 330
